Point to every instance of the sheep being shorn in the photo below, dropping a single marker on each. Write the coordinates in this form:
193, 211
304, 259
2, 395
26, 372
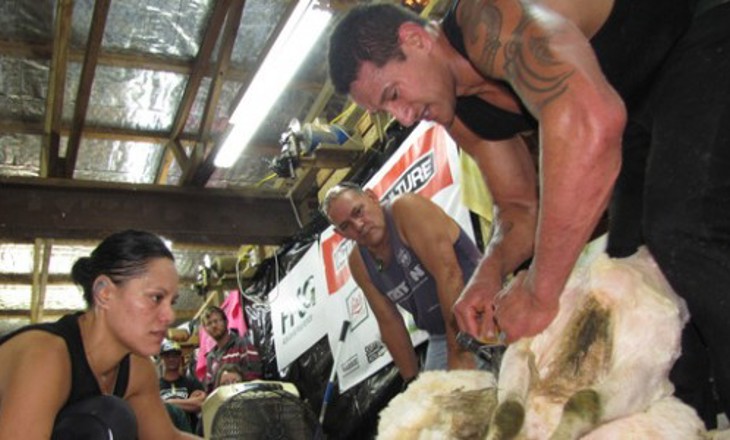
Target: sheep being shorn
601, 369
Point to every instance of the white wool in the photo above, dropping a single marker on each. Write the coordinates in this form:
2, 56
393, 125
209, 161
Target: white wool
647, 319
666, 419
635, 392
413, 414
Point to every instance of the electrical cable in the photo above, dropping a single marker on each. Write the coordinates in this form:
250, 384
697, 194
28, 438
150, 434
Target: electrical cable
296, 212
253, 299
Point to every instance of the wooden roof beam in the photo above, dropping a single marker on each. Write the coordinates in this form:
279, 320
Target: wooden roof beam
209, 113
41, 261
88, 70
49, 162
96, 132
202, 60
158, 63
71, 209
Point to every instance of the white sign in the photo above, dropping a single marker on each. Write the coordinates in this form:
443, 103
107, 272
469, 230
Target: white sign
298, 309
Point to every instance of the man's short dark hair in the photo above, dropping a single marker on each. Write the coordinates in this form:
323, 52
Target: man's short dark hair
366, 33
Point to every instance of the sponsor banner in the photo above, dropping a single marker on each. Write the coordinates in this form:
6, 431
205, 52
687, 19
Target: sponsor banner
298, 309
363, 352
420, 165
335, 252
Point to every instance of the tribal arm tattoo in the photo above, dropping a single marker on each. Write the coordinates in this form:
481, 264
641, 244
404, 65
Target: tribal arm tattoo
529, 63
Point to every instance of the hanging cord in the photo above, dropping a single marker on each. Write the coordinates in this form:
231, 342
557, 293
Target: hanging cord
253, 299
276, 276
296, 212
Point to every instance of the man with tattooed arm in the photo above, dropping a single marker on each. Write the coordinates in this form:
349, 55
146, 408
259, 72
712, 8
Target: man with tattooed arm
629, 99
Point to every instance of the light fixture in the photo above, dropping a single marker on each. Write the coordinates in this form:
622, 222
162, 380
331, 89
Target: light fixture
301, 31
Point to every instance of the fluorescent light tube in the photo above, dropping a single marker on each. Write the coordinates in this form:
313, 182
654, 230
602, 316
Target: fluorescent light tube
296, 39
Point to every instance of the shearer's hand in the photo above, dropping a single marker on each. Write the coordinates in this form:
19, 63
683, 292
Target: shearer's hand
518, 311
474, 310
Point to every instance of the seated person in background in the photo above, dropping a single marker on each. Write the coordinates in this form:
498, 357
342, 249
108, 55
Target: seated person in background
177, 389
230, 348
411, 253
70, 367
228, 374
179, 417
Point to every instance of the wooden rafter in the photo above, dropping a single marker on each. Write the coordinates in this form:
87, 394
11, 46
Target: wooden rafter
41, 261
49, 161
224, 60
32, 51
95, 132
88, 70
202, 61
122, 134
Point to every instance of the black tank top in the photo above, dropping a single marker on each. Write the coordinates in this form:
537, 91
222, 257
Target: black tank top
83, 382
630, 47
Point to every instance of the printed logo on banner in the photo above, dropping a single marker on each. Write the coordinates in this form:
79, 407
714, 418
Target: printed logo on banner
423, 169
357, 308
416, 177
374, 350
335, 252
350, 365
294, 319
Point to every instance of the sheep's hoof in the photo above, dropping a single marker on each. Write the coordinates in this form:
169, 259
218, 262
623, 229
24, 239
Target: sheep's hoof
581, 413
507, 421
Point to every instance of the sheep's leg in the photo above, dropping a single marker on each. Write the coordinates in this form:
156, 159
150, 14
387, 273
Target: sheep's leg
639, 373
649, 318
581, 413
507, 421
514, 383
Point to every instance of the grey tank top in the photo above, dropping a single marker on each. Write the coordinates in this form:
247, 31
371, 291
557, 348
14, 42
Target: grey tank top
406, 282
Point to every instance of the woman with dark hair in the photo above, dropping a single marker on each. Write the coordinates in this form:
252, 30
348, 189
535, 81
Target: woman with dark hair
89, 375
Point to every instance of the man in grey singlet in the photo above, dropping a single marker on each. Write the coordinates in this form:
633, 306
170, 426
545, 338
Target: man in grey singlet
411, 253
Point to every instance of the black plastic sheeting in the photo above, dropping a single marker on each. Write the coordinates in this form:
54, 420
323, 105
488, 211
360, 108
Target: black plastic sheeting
352, 415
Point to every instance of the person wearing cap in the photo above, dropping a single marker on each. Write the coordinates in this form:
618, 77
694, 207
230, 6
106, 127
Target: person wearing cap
180, 391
